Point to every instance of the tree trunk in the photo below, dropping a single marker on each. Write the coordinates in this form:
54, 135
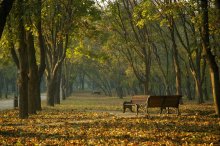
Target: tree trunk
33, 86
63, 90
175, 58
217, 6
6, 87
188, 85
205, 92
5, 8
119, 91
64, 80
198, 88
213, 67
1, 86
82, 79
51, 87
23, 60
42, 55
57, 82
64, 83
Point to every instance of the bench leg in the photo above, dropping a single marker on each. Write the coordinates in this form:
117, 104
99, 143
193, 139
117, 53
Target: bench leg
168, 110
131, 109
124, 109
137, 108
161, 110
146, 110
178, 111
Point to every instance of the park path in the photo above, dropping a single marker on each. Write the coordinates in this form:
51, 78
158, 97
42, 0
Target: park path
9, 103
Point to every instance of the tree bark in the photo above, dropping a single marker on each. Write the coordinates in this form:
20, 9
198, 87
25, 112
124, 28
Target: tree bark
5, 8
57, 82
213, 66
33, 75
42, 55
217, 6
175, 59
195, 66
188, 85
23, 60
51, 87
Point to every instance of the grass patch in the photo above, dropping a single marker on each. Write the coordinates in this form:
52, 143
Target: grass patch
85, 119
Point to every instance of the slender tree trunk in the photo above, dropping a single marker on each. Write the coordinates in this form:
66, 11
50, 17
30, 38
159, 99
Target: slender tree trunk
188, 85
198, 88
6, 87
175, 60
175, 51
58, 81
51, 87
213, 67
205, 92
33, 86
195, 65
64, 81
63, 87
1, 80
42, 56
23, 60
147, 60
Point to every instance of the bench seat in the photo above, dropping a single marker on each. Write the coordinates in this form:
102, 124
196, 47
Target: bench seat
139, 101
164, 102
149, 101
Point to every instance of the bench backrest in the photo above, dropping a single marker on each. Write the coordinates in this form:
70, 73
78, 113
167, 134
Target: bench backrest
164, 101
139, 99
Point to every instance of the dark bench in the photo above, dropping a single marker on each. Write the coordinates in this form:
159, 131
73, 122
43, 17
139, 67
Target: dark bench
96, 92
139, 101
164, 102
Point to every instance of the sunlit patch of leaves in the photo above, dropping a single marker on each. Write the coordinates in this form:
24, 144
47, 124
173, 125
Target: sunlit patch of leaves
73, 127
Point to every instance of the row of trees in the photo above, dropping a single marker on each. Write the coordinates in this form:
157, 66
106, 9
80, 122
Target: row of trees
172, 43
150, 47
38, 33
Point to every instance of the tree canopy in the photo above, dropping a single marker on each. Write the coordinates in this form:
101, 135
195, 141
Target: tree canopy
120, 47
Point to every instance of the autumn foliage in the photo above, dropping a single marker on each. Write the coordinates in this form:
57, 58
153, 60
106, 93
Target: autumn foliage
100, 121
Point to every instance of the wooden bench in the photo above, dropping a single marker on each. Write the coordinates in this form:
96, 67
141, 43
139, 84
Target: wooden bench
164, 102
139, 101
96, 92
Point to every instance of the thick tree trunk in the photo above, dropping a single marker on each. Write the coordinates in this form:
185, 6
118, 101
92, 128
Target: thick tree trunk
33, 86
213, 67
5, 8
23, 60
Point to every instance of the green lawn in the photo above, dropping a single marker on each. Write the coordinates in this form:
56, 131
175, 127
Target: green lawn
86, 119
